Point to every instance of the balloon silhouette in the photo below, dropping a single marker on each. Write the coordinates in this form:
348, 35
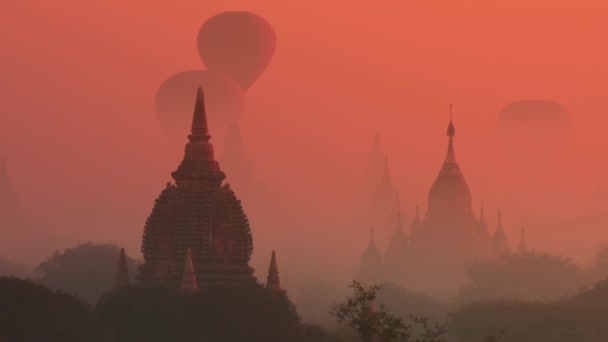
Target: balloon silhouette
534, 131
224, 101
241, 44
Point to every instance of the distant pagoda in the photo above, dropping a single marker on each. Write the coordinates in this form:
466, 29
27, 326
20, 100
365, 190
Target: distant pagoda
201, 214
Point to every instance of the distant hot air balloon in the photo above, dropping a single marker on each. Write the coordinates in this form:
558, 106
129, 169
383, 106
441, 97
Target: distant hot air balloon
224, 101
534, 131
240, 44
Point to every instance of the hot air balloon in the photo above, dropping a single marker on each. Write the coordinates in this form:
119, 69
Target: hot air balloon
224, 101
536, 141
240, 44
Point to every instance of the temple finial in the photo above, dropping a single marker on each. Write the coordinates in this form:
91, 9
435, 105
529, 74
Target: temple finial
122, 272
481, 211
451, 130
189, 283
273, 282
417, 217
200, 129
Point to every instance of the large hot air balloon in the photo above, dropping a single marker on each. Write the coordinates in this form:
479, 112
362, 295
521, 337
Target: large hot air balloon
240, 44
536, 141
224, 101
534, 131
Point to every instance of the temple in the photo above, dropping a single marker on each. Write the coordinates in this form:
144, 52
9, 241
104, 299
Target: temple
273, 283
371, 263
432, 256
197, 216
122, 272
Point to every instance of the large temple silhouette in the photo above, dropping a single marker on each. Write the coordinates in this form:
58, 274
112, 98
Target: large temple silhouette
197, 229
432, 256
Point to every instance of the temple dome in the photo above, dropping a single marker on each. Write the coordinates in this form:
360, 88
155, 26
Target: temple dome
450, 193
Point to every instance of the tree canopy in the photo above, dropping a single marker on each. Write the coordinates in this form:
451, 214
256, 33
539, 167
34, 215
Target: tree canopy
87, 270
32, 312
527, 276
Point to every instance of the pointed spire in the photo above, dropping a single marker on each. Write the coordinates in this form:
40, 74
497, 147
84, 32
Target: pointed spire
522, 242
273, 282
450, 157
481, 216
500, 217
122, 272
189, 283
371, 247
200, 130
399, 226
417, 214
386, 173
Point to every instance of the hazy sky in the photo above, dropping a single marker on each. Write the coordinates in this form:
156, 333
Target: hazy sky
88, 155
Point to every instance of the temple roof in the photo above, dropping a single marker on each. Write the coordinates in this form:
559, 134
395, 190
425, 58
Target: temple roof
372, 250
273, 282
199, 161
122, 272
450, 193
189, 283
499, 235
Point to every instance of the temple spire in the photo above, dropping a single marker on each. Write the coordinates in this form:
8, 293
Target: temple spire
521, 248
200, 130
399, 227
417, 214
273, 282
481, 213
450, 158
189, 283
122, 272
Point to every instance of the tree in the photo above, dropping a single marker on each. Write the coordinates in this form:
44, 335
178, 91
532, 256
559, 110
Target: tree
375, 323
526, 276
216, 313
599, 267
32, 312
87, 270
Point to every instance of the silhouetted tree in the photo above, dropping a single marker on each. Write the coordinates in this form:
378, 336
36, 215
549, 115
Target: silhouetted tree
523, 276
376, 323
87, 270
8, 268
32, 312
599, 267
405, 303
217, 313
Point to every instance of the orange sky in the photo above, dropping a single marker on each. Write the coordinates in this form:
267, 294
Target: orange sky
87, 153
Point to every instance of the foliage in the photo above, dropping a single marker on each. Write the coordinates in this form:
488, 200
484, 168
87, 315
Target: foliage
218, 313
32, 312
577, 318
373, 323
405, 303
8, 268
525, 276
599, 267
87, 270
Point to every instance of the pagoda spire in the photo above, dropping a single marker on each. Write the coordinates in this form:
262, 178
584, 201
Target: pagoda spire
521, 248
399, 226
371, 247
189, 283
273, 282
122, 272
450, 157
200, 129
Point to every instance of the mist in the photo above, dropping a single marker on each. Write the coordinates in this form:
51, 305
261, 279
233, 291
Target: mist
87, 154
